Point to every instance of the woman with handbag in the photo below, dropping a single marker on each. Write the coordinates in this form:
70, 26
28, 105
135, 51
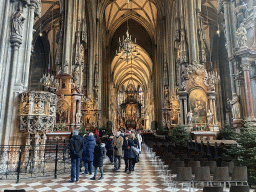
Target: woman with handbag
136, 144
128, 153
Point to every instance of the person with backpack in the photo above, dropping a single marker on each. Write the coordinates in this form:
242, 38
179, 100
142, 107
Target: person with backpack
88, 153
99, 151
76, 146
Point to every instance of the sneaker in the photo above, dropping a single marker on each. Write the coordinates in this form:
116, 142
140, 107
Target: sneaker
93, 178
101, 178
71, 181
84, 173
114, 169
90, 173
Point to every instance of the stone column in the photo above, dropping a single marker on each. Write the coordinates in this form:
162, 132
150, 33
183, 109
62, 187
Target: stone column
229, 45
248, 90
192, 30
185, 110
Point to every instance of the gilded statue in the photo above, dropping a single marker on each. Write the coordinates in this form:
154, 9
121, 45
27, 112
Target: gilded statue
236, 107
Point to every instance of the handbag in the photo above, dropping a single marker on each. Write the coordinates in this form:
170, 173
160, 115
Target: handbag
135, 150
137, 159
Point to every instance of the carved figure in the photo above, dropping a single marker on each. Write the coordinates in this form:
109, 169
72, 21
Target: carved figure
236, 107
78, 118
189, 117
241, 36
17, 23
210, 117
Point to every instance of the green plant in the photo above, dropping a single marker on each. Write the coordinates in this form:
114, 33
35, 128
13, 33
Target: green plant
179, 135
244, 153
82, 131
226, 133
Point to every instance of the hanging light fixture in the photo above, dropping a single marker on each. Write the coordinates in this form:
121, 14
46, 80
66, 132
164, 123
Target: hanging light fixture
126, 47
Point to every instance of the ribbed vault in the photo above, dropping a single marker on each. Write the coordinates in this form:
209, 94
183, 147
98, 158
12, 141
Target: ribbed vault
142, 11
138, 70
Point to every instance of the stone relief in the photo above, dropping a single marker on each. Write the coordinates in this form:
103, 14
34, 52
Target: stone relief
17, 22
41, 119
241, 36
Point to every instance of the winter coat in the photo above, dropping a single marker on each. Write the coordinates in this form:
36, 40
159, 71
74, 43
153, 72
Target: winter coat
118, 147
89, 145
109, 147
98, 155
136, 143
128, 153
76, 146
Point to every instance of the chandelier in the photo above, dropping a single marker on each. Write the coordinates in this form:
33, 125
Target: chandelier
126, 47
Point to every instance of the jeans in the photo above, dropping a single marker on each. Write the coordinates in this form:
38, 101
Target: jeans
128, 164
96, 171
75, 168
117, 166
86, 168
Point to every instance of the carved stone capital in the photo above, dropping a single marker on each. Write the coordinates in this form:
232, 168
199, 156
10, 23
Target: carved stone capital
16, 41
246, 66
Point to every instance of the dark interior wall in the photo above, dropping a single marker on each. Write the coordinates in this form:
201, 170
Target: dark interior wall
137, 31
39, 62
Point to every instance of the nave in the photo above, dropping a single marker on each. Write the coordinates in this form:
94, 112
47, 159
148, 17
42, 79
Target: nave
146, 177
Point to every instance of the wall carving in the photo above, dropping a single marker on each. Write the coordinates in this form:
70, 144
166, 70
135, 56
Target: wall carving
37, 112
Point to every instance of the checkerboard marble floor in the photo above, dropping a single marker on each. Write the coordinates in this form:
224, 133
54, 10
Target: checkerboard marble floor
144, 178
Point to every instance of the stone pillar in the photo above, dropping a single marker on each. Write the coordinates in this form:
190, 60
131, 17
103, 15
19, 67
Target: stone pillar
212, 104
185, 109
192, 31
229, 45
183, 97
248, 90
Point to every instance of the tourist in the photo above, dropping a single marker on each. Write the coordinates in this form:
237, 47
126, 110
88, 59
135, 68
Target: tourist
76, 149
101, 133
96, 133
110, 149
117, 150
98, 159
139, 137
88, 153
136, 144
128, 153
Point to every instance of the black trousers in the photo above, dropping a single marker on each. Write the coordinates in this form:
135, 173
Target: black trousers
128, 164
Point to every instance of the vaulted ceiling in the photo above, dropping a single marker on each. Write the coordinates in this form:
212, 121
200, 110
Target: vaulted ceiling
138, 70
142, 11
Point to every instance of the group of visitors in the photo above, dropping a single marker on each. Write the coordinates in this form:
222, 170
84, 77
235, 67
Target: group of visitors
91, 150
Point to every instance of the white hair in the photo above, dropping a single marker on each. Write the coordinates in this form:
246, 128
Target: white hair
91, 134
75, 132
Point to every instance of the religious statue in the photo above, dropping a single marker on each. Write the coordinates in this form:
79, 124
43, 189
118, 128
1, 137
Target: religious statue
17, 23
241, 36
78, 118
189, 117
210, 117
236, 107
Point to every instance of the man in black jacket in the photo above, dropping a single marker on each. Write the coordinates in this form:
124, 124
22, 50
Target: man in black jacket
76, 150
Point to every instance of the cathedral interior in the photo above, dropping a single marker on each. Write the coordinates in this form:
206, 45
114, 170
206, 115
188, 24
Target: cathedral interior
125, 64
